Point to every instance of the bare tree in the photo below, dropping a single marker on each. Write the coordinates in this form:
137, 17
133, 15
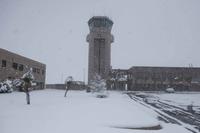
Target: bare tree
68, 83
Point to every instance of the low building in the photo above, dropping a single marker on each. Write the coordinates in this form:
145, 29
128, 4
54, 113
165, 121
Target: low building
75, 85
140, 78
56, 86
13, 66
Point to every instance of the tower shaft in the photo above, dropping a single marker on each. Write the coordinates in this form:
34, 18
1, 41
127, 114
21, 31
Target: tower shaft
100, 39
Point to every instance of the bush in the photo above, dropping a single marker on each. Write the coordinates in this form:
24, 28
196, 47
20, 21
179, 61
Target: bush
98, 86
6, 86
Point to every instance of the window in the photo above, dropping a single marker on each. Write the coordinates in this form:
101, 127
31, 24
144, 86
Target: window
34, 70
99, 47
38, 71
43, 72
15, 66
21, 67
97, 23
3, 63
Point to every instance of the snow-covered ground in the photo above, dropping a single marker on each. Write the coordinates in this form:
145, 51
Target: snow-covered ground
79, 112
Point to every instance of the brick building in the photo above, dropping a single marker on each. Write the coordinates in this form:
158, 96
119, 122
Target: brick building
142, 78
14, 66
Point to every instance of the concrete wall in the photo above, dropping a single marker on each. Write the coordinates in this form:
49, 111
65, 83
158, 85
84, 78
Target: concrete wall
73, 86
56, 86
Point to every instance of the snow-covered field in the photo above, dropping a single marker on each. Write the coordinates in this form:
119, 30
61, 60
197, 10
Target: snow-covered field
79, 112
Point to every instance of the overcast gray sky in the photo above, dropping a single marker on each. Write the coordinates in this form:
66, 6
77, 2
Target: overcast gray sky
147, 33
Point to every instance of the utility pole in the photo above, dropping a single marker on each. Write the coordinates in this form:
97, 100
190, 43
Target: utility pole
61, 77
84, 75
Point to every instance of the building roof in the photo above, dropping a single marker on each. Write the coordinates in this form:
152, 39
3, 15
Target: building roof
17, 55
162, 67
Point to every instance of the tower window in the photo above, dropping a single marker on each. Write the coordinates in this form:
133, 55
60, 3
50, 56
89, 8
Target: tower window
3, 63
99, 54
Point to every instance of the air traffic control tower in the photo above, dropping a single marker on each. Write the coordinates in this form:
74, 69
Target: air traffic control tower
99, 39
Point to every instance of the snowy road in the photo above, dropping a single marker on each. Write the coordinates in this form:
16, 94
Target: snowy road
169, 110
